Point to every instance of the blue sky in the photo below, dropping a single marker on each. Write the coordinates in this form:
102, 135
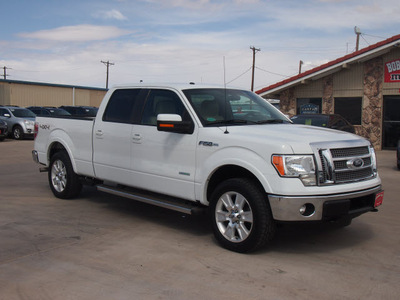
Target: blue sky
63, 41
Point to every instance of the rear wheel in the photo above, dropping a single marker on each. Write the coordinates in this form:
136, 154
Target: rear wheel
63, 181
240, 214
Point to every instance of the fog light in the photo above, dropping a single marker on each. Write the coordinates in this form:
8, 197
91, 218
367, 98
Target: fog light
307, 210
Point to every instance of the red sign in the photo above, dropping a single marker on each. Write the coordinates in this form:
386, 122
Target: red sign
392, 71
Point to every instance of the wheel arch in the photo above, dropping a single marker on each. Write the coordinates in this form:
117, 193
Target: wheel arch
227, 172
57, 146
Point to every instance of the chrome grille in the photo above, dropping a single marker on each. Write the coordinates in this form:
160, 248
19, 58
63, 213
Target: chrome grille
343, 165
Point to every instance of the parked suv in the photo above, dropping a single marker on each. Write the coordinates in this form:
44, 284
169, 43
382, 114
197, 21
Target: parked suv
48, 111
20, 121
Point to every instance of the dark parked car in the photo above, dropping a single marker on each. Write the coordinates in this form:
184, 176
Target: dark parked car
3, 130
48, 111
81, 111
398, 154
332, 121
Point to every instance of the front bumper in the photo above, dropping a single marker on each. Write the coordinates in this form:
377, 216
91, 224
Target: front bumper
323, 207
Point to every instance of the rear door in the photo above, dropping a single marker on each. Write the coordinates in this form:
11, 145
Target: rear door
112, 137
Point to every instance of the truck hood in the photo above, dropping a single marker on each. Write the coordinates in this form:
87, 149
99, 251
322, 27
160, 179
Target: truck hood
290, 137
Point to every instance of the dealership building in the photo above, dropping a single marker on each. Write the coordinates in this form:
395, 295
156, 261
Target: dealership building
363, 87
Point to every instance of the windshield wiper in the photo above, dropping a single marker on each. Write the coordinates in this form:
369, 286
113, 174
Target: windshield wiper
227, 122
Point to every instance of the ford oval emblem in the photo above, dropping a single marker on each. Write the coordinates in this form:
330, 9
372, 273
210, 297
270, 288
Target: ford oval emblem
355, 163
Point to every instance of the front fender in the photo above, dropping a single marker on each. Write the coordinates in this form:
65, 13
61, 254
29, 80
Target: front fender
209, 163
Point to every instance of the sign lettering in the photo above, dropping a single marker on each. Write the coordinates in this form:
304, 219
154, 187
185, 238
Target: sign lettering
392, 71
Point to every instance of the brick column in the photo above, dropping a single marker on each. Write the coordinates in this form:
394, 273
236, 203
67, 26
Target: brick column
327, 95
372, 102
288, 102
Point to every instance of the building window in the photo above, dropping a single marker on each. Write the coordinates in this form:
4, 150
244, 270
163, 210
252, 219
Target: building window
309, 105
350, 108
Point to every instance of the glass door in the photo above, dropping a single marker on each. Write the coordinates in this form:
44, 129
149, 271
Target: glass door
391, 121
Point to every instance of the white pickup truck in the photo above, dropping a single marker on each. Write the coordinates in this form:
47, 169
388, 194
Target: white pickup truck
191, 147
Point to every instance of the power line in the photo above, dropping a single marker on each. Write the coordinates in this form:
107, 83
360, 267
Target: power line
272, 72
239, 75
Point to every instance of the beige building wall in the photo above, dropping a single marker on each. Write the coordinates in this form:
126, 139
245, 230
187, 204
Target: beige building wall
4, 94
30, 94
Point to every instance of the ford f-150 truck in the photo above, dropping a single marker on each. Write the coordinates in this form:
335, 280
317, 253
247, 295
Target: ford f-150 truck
191, 147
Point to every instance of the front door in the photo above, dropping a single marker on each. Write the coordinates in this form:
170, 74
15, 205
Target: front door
164, 162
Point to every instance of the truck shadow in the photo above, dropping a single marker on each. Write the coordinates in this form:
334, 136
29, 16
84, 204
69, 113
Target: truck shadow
193, 224
318, 237
290, 238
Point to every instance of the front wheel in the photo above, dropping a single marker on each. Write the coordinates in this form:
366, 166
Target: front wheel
18, 133
63, 181
241, 216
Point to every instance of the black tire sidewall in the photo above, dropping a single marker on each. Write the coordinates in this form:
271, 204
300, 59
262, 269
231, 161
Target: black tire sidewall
263, 224
73, 185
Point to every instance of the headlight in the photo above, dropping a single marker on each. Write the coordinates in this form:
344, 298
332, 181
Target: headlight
301, 166
373, 160
29, 123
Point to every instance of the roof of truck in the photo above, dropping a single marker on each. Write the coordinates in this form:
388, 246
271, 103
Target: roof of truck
177, 86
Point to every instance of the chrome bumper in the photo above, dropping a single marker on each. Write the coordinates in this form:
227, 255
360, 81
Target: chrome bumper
35, 156
325, 207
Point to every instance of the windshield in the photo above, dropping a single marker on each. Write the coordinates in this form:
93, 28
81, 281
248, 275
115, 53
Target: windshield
22, 113
218, 106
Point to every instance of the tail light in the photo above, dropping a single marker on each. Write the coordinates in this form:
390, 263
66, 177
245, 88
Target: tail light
36, 130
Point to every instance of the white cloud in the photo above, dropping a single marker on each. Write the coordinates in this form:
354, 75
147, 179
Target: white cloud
111, 14
77, 33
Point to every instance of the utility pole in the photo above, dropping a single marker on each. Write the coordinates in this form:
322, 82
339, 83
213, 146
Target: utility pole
357, 31
108, 64
5, 72
254, 49
300, 64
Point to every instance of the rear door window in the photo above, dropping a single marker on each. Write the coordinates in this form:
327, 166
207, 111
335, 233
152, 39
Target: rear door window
121, 107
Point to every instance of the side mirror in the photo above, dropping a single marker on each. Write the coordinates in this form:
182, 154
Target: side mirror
174, 123
7, 115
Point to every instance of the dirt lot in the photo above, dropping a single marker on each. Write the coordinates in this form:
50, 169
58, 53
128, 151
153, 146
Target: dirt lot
104, 247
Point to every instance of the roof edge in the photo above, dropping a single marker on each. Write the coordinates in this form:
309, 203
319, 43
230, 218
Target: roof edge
332, 64
52, 84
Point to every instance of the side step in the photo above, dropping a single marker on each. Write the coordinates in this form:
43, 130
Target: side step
154, 199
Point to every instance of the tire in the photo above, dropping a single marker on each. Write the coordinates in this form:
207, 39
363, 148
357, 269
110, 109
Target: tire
63, 181
18, 132
241, 216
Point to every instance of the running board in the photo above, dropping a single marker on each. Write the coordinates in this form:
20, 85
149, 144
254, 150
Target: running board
154, 199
